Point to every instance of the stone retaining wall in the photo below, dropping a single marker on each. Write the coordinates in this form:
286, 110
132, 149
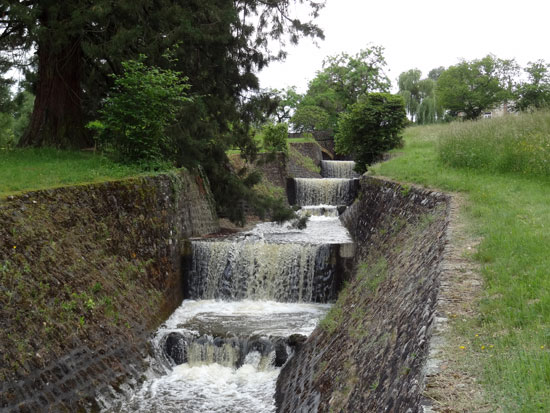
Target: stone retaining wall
369, 354
87, 273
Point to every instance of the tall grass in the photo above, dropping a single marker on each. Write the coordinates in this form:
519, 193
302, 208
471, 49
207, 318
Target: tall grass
519, 144
32, 169
508, 343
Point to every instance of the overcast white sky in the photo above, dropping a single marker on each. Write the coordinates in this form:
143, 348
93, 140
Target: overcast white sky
421, 34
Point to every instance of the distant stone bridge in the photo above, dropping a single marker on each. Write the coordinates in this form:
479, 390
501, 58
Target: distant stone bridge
324, 138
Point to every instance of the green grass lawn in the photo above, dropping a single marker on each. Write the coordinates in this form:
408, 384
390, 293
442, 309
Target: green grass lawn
32, 169
511, 213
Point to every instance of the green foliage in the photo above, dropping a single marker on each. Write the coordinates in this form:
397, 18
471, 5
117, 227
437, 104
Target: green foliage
309, 118
14, 115
408, 83
371, 276
275, 138
519, 144
287, 102
304, 161
23, 107
219, 45
471, 87
535, 93
419, 95
134, 119
7, 138
340, 83
371, 127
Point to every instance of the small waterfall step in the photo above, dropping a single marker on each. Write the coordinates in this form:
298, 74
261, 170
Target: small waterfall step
208, 331
338, 169
323, 227
237, 270
319, 211
325, 191
233, 369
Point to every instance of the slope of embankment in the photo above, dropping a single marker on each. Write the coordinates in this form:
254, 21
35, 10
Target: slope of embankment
370, 353
86, 273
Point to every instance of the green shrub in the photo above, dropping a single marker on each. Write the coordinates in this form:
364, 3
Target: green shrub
7, 138
274, 137
519, 144
371, 127
143, 103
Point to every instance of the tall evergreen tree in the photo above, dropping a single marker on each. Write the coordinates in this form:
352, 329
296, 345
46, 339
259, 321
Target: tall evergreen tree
79, 43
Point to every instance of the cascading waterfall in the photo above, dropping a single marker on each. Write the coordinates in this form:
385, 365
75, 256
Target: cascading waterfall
251, 299
259, 270
319, 211
329, 191
338, 169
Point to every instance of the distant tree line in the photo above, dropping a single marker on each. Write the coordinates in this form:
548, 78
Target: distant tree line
349, 98
470, 88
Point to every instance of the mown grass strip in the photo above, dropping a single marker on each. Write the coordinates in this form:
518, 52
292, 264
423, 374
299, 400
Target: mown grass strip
511, 213
32, 169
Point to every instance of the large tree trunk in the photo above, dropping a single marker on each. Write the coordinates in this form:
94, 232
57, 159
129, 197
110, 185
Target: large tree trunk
57, 118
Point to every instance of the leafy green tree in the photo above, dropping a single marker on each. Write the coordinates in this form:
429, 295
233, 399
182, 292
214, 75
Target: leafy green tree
6, 119
409, 88
471, 87
144, 102
287, 101
371, 127
419, 96
535, 93
507, 71
7, 137
430, 109
310, 118
24, 103
275, 138
435, 73
343, 79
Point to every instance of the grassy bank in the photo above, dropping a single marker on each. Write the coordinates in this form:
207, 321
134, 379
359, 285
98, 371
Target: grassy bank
519, 144
509, 208
32, 169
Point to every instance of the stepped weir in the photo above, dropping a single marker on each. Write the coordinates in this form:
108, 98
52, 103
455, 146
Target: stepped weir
338, 169
251, 299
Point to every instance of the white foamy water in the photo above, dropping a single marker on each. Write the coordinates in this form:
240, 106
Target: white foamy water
209, 388
252, 318
319, 230
327, 191
319, 210
338, 169
215, 388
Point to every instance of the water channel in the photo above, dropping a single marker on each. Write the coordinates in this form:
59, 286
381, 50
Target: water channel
252, 298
